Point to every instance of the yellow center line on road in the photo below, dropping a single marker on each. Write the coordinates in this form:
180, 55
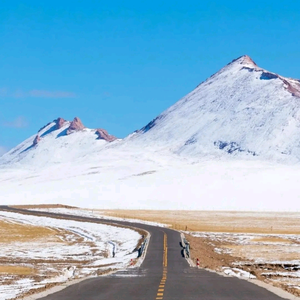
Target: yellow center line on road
161, 287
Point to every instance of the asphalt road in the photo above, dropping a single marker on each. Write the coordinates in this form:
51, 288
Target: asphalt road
164, 275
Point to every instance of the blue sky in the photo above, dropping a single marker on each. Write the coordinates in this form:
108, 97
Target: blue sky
118, 64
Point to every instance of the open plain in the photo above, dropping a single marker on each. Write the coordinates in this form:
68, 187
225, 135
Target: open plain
261, 246
216, 221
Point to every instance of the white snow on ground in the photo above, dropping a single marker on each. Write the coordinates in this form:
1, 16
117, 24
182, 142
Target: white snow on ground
283, 274
235, 272
144, 183
100, 236
258, 245
14, 289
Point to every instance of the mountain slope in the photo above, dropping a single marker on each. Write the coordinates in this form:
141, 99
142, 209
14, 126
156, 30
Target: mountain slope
240, 110
58, 142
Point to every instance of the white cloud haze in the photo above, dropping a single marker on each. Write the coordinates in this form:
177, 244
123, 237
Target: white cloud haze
19, 122
35, 93
51, 94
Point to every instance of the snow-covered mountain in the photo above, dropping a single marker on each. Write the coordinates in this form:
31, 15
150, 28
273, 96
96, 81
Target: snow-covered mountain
241, 110
59, 141
231, 144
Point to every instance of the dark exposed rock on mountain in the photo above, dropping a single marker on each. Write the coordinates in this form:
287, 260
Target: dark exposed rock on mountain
104, 135
36, 140
60, 123
76, 125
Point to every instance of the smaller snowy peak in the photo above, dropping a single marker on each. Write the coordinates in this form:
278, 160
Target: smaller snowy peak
76, 125
36, 140
59, 123
104, 135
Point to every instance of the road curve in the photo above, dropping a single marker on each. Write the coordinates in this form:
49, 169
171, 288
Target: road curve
164, 274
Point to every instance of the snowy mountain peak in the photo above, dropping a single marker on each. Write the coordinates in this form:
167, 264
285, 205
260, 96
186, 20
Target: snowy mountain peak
59, 141
242, 110
244, 60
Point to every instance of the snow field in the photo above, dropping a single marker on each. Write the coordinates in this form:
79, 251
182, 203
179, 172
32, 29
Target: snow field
129, 184
85, 249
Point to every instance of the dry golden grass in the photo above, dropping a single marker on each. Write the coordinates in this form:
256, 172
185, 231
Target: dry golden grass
15, 232
266, 252
256, 257
271, 239
217, 221
16, 270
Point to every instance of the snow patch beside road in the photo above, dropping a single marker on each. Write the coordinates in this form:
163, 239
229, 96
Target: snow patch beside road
78, 254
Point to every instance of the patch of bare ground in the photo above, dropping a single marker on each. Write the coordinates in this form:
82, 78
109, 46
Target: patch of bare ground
214, 253
204, 250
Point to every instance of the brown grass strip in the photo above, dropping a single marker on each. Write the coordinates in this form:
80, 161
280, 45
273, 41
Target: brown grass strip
16, 232
217, 221
16, 270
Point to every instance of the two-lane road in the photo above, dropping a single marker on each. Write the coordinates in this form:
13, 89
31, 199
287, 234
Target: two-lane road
164, 275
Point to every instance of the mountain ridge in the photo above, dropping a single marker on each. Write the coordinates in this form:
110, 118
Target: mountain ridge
230, 144
58, 135
240, 111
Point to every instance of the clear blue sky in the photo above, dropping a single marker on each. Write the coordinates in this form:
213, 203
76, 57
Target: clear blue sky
118, 64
